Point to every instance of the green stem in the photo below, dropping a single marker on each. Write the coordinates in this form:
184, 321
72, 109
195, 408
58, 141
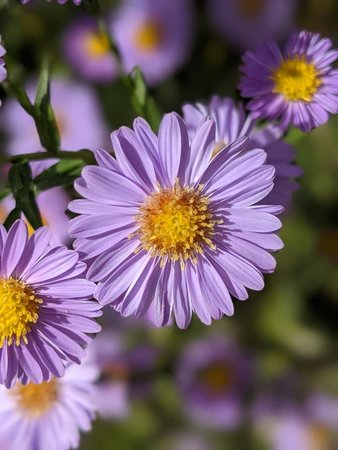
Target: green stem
84, 155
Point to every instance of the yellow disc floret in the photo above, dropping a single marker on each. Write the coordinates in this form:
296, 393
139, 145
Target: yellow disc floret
296, 79
97, 44
34, 400
176, 223
149, 36
19, 310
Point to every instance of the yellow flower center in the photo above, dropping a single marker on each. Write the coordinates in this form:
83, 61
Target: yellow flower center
19, 310
176, 223
216, 378
149, 36
319, 438
251, 8
34, 400
296, 79
97, 44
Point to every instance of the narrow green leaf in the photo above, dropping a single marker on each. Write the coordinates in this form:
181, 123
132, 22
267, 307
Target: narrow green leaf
21, 184
44, 115
61, 174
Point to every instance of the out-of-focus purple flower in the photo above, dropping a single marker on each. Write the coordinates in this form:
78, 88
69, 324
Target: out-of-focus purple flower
88, 52
247, 23
231, 124
52, 205
287, 426
77, 113
49, 415
156, 36
124, 373
3, 71
212, 377
296, 84
60, 2
46, 306
169, 229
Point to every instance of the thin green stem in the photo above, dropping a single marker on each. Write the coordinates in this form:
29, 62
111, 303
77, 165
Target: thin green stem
84, 155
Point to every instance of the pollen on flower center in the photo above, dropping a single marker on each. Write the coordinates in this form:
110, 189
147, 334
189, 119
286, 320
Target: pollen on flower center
97, 44
19, 310
296, 79
149, 36
177, 223
36, 399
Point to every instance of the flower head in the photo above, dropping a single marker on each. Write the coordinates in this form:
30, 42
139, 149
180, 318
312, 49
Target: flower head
87, 50
212, 377
49, 415
247, 23
156, 36
231, 124
168, 230
296, 84
46, 306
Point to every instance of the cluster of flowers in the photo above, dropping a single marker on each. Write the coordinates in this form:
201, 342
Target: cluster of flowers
178, 222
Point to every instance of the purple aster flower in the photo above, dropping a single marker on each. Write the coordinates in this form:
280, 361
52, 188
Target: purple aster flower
231, 124
49, 415
52, 204
156, 36
212, 377
296, 84
285, 425
46, 306
162, 230
78, 115
247, 23
87, 50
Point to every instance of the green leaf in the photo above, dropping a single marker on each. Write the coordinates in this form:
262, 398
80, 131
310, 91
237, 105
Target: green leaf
11, 218
44, 115
21, 184
141, 99
61, 174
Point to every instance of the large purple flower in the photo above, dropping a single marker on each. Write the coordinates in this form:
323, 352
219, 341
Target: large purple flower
168, 230
231, 124
156, 36
46, 306
247, 23
49, 415
88, 51
296, 84
213, 376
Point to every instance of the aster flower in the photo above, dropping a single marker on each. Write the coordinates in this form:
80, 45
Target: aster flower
52, 205
247, 23
164, 233
286, 425
78, 115
88, 52
231, 124
156, 36
45, 305
213, 375
49, 415
296, 84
